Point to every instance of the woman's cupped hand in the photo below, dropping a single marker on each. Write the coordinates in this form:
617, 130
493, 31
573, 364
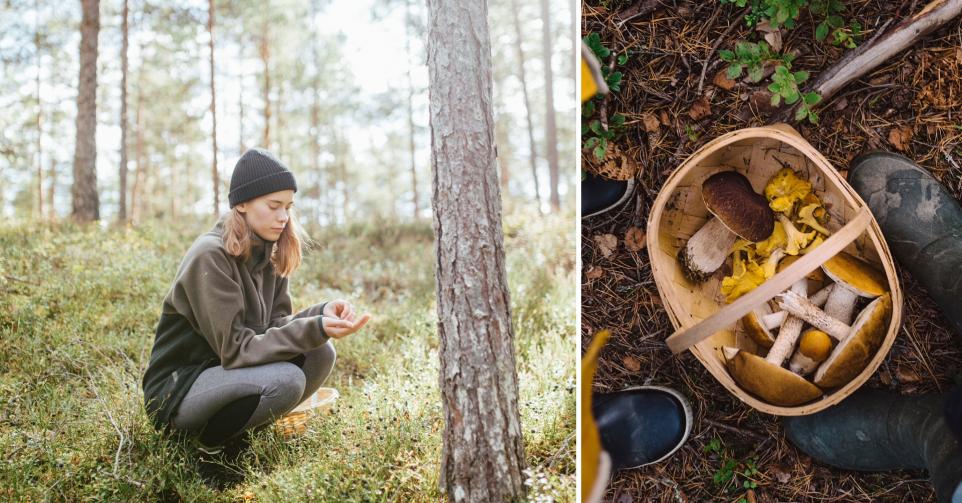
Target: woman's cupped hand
339, 319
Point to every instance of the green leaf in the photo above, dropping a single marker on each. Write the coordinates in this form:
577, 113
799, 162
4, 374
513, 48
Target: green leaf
813, 117
775, 87
595, 127
622, 59
590, 143
726, 55
835, 21
791, 96
756, 73
801, 113
821, 31
588, 109
801, 76
734, 71
776, 100
599, 151
781, 71
812, 98
616, 121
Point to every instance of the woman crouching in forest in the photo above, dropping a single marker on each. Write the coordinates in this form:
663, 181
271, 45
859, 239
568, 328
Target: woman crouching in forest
228, 354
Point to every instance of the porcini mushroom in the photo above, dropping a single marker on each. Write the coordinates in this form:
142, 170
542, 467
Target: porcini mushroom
853, 278
813, 348
759, 323
737, 211
857, 343
792, 326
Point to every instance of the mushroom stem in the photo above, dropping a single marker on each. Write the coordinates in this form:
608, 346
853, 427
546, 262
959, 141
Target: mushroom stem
821, 297
774, 320
791, 329
707, 249
841, 303
802, 308
813, 348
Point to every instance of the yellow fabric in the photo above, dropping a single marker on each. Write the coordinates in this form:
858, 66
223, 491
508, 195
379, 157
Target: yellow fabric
588, 85
590, 440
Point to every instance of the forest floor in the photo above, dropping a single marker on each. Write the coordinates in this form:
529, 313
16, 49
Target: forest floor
909, 104
78, 309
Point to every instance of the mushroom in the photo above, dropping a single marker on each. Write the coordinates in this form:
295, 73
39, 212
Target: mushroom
813, 348
759, 323
771, 382
738, 211
853, 278
857, 343
792, 327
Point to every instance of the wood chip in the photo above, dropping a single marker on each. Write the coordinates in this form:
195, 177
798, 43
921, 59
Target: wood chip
631, 363
594, 272
606, 244
700, 108
722, 81
651, 122
635, 239
900, 137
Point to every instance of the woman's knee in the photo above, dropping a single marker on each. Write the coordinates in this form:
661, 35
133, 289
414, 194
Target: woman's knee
284, 387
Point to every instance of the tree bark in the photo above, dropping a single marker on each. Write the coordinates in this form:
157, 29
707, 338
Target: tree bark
213, 109
532, 146
551, 134
265, 54
482, 456
411, 145
86, 202
316, 113
140, 178
39, 157
122, 211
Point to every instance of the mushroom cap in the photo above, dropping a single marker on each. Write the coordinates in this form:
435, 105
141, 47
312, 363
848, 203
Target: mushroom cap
816, 274
774, 384
730, 197
815, 344
856, 274
755, 329
851, 355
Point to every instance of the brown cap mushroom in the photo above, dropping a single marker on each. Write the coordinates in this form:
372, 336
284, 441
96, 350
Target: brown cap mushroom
853, 278
813, 348
772, 383
854, 352
757, 325
738, 211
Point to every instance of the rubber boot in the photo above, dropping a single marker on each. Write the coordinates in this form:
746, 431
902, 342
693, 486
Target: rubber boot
599, 195
874, 430
641, 425
921, 221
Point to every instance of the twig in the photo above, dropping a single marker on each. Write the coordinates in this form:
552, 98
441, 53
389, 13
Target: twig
640, 8
714, 47
21, 280
112, 422
557, 454
735, 429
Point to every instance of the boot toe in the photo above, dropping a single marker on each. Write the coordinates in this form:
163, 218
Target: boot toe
643, 425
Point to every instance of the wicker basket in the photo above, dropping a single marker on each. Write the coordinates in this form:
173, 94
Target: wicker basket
294, 423
703, 321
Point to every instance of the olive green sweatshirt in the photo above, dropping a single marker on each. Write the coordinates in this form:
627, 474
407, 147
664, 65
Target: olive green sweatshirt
221, 310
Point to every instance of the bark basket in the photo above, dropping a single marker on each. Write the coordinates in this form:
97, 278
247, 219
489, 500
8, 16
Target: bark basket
704, 322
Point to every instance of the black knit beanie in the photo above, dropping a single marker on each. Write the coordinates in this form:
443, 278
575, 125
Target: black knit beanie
256, 173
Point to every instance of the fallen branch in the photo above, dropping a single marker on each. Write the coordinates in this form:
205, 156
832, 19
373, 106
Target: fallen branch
880, 48
640, 8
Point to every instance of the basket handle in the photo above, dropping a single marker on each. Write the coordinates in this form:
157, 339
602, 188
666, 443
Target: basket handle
685, 337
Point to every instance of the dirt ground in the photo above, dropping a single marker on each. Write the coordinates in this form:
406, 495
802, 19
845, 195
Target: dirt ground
910, 104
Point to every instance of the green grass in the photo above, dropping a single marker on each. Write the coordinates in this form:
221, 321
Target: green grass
78, 308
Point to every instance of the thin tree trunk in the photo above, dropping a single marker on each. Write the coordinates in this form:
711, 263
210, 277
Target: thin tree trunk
86, 202
482, 457
39, 159
136, 195
279, 120
316, 112
52, 190
242, 147
265, 54
551, 134
532, 146
213, 109
411, 145
122, 212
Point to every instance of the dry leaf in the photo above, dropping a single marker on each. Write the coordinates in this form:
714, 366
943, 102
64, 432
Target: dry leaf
781, 474
907, 375
606, 244
750, 496
651, 122
900, 137
663, 117
721, 80
594, 272
700, 108
772, 35
885, 377
635, 239
631, 363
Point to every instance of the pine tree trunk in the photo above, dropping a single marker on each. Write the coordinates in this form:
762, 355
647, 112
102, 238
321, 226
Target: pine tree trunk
136, 195
265, 54
482, 456
213, 109
86, 202
532, 146
411, 145
39, 158
242, 147
122, 211
551, 134
316, 113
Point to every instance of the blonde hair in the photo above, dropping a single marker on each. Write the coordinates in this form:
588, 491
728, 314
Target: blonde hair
286, 255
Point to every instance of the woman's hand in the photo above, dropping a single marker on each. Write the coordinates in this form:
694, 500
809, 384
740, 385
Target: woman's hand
338, 328
339, 308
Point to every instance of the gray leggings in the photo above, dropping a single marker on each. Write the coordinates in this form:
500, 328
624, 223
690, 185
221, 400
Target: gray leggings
272, 390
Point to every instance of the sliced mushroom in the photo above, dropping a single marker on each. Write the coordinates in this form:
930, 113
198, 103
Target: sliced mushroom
813, 348
853, 278
758, 325
738, 211
774, 384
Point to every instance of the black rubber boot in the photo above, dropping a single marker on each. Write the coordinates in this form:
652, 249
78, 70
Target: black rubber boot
874, 430
599, 195
643, 425
921, 221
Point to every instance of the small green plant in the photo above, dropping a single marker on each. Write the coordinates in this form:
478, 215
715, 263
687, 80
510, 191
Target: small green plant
778, 12
748, 57
784, 86
732, 470
595, 136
